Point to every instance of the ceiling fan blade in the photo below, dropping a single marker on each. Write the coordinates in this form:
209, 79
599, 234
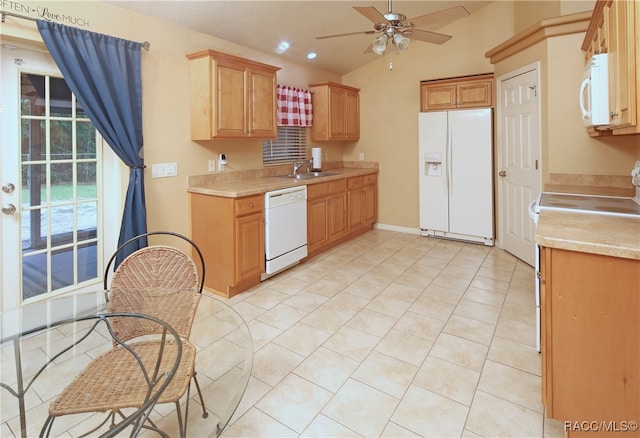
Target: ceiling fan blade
371, 13
445, 16
428, 37
364, 32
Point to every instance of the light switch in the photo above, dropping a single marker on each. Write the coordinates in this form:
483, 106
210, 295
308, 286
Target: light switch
172, 169
158, 170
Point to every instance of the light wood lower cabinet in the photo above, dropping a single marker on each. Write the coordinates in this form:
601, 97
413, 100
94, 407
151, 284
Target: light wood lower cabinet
326, 213
339, 210
590, 310
230, 234
362, 201
230, 231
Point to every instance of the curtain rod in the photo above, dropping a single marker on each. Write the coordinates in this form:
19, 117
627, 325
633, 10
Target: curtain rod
145, 45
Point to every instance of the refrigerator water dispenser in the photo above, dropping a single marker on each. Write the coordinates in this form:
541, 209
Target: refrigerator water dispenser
433, 164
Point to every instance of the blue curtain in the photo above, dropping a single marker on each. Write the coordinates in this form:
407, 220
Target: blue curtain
104, 73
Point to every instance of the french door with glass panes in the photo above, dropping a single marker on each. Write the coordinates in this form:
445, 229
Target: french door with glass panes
52, 202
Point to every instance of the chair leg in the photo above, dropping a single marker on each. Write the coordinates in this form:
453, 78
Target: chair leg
182, 427
46, 427
205, 414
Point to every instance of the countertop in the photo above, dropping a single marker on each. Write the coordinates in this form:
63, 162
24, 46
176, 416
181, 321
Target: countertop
254, 182
617, 236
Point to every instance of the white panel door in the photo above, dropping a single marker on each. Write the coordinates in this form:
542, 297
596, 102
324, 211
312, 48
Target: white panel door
470, 165
519, 146
434, 198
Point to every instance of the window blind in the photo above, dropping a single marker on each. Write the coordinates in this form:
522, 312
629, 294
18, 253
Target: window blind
291, 145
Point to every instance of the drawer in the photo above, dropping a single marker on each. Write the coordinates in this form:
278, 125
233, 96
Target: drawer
337, 186
317, 190
354, 183
249, 205
369, 180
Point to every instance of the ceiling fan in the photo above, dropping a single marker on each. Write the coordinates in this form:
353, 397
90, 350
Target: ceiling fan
397, 29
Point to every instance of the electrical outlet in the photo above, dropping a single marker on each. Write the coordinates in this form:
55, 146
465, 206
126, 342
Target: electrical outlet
361, 156
212, 165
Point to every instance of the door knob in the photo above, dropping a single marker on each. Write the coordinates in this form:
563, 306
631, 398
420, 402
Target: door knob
502, 173
9, 209
8, 188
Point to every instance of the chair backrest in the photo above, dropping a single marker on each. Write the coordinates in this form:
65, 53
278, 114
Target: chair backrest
158, 265
176, 307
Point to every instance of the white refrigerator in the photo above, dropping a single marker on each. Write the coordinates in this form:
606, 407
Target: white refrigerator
456, 183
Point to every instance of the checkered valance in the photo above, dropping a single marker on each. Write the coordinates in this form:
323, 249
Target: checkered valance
294, 106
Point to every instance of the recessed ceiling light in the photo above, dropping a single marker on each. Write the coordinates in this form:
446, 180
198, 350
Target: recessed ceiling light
282, 47
311, 55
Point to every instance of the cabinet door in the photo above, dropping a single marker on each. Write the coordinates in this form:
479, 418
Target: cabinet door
592, 336
355, 205
337, 105
337, 216
262, 101
619, 17
438, 97
369, 204
474, 94
249, 246
230, 109
352, 115
317, 231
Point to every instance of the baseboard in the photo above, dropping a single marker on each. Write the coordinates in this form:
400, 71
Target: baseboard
397, 228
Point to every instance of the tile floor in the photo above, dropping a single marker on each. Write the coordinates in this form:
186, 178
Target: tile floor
391, 334
394, 334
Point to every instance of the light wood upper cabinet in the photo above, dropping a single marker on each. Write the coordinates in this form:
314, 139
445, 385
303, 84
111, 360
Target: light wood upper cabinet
457, 93
615, 29
620, 36
231, 97
336, 112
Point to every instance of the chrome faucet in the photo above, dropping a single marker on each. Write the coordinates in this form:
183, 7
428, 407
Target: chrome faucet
298, 164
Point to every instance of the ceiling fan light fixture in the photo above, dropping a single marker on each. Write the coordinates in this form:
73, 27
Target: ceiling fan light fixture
401, 42
379, 44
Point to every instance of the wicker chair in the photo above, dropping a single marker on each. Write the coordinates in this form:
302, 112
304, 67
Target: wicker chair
154, 280
167, 267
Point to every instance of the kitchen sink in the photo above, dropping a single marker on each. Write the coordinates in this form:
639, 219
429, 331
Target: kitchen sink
307, 175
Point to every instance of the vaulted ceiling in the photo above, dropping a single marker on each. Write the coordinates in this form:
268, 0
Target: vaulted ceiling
264, 25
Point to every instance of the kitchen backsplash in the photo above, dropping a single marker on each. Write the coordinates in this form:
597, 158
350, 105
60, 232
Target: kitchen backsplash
600, 181
242, 175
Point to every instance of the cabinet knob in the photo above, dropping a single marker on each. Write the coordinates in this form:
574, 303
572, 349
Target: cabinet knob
251, 205
613, 115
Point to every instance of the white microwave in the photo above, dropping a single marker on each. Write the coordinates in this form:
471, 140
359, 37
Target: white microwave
594, 92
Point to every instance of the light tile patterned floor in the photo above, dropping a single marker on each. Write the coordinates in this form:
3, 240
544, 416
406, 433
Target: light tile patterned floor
389, 334
395, 334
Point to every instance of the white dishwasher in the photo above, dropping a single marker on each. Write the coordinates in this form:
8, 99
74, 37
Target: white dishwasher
285, 228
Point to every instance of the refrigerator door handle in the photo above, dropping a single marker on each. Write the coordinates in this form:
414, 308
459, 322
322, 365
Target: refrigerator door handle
448, 155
